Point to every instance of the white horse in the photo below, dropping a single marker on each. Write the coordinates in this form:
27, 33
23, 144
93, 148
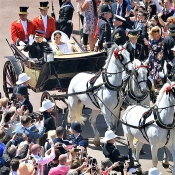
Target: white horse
136, 91
157, 132
118, 59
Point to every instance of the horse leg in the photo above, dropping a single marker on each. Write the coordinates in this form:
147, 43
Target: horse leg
154, 155
115, 121
172, 150
130, 138
108, 118
138, 148
92, 120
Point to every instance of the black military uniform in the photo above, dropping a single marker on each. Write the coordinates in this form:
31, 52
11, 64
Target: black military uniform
169, 43
119, 35
136, 51
64, 23
36, 50
21, 89
104, 28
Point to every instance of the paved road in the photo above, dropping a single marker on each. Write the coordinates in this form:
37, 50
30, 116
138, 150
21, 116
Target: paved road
9, 12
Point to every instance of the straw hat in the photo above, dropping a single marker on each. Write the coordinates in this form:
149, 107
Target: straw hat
26, 169
108, 136
154, 171
46, 104
22, 78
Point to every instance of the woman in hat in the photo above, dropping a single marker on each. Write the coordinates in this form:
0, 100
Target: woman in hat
111, 152
36, 48
46, 109
155, 55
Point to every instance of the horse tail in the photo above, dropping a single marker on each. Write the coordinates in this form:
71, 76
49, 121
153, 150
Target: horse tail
78, 114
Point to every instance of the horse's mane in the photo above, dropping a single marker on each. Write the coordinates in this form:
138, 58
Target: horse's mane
110, 52
136, 63
161, 92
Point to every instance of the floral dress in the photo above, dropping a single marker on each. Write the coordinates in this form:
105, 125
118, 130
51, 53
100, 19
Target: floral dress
90, 20
156, 46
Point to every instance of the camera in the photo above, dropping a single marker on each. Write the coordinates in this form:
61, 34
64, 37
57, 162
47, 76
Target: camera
121, 163
60, 144
1, 112
77, 150
37, 116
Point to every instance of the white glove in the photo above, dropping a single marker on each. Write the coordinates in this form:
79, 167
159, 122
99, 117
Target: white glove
21, 43
31, 39
44, 39
161, 75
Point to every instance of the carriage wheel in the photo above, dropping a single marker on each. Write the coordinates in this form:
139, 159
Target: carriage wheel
9, 78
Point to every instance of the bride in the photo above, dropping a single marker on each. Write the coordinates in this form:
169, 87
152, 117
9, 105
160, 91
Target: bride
60, 43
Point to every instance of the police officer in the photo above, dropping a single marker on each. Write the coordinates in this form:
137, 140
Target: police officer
135, 49
76, 137
119, 35
21, 94
22, 79
64, 23
104, 29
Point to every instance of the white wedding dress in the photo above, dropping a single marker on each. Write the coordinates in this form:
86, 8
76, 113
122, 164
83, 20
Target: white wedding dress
63, 48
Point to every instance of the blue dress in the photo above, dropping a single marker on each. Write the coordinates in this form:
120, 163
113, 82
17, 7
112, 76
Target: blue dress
156, 46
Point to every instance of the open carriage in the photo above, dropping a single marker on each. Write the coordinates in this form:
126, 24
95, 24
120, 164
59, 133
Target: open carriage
53, 75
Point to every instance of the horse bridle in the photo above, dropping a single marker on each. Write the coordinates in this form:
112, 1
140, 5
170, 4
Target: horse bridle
138, 67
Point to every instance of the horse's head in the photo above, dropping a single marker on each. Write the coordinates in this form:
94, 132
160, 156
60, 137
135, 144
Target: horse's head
141, 75
122, 56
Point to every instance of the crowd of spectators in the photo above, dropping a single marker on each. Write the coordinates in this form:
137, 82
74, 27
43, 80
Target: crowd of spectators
31, 144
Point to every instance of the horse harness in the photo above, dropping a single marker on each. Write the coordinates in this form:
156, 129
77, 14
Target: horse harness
107, 84
157, 119
131, 94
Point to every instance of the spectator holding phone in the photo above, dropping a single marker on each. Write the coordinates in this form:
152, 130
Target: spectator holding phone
21, 94
29, 129
111, 152
40, 160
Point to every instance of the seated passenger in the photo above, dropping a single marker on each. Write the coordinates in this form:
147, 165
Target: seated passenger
36, 48
60, 43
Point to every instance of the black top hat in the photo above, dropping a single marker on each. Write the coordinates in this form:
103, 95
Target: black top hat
105, 8
40, 33
118, 18
133, 33
75, 126
21, 89
172, 28
44, 5
23, 10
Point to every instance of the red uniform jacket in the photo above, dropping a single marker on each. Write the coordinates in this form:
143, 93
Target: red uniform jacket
38, 23
17, 31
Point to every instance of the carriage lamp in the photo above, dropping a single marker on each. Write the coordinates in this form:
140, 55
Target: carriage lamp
48, 54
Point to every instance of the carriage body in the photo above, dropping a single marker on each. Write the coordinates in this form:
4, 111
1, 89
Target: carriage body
54, 75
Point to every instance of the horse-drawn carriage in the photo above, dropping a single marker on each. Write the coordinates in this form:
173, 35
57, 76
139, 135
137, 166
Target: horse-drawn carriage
52, 75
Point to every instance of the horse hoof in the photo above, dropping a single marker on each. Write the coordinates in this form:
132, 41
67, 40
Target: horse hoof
96, 142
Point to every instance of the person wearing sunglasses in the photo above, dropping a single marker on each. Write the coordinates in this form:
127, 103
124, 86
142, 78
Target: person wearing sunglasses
156, 62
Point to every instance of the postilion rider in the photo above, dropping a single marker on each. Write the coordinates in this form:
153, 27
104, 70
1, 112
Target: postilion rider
45, 22
21, 29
